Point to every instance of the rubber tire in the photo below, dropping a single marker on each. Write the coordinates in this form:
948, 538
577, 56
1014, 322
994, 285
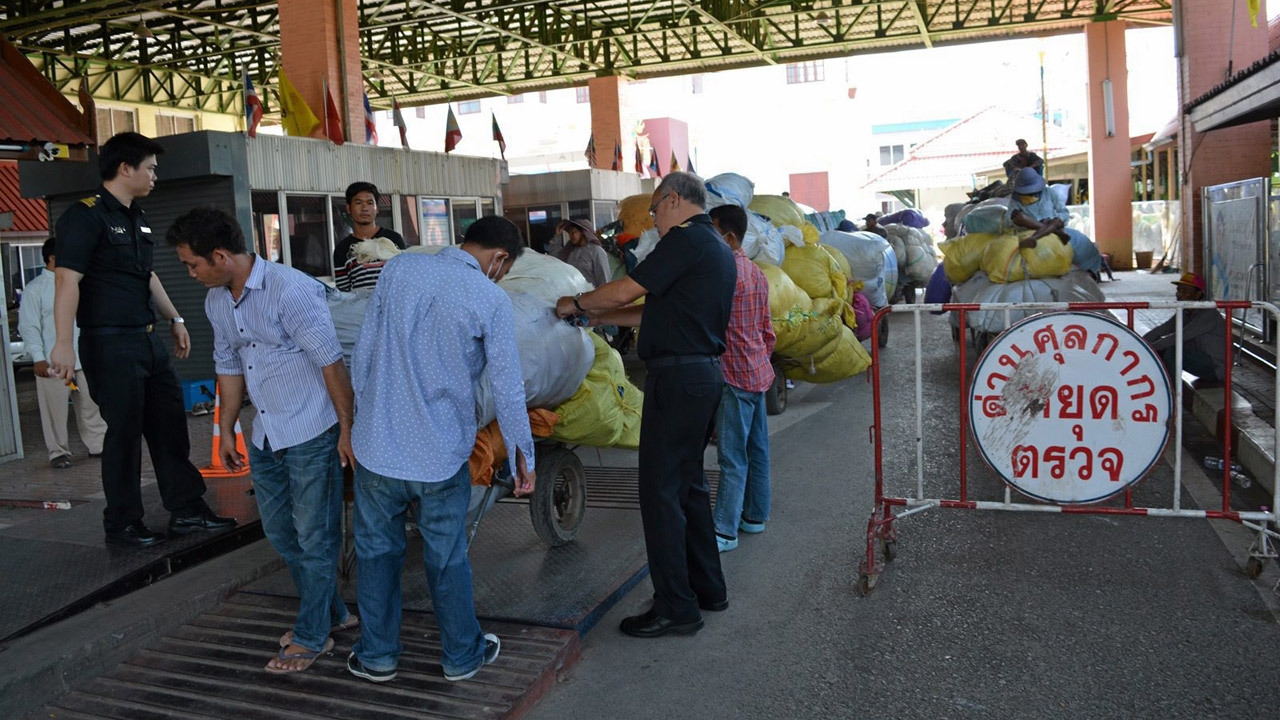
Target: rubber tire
955, 334
775, 398
866, 584
559, 499
890, 549
1253, 568
884, 331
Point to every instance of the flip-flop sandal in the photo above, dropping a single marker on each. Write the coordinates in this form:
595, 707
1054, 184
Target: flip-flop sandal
309, 656
352, 622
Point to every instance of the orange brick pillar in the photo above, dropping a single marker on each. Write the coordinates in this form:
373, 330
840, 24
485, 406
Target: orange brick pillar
606, 122
1202, 33
1110, 179
320, 40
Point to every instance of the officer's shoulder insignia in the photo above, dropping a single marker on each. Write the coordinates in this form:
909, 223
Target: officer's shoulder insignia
89, 201
685, 225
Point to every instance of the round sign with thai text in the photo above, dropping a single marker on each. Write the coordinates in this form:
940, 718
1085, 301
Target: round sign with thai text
1070, 407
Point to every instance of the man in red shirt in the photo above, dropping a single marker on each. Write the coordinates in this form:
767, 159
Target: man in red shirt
742, 500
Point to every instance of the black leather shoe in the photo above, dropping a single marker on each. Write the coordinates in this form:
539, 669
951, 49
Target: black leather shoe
652, 625
201, 520
714, 606
134, 535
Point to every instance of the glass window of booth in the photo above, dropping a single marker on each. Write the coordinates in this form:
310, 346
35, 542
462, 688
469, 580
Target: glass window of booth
410, 220
310, 249
606, 212
487, 207
465, 212
266, 225
543, 221
435, 221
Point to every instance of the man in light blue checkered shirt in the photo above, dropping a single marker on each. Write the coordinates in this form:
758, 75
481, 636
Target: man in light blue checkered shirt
273, 334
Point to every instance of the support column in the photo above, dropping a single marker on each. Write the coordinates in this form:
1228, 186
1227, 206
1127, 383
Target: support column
320, 40
1110, 177
606, 122
1205, 42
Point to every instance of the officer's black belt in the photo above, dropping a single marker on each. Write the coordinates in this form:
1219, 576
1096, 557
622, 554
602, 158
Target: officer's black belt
116, 330
671, 360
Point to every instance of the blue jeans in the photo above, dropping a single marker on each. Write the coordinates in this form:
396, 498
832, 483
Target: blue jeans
381, 506
299, 493
743, 449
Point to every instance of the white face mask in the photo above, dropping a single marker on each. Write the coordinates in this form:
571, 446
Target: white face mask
495, 266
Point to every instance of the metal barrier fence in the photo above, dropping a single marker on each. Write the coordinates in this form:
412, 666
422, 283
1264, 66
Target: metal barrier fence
1069, 394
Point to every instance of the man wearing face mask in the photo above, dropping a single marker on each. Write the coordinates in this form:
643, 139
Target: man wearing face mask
1034, 207
434, 323
688, 282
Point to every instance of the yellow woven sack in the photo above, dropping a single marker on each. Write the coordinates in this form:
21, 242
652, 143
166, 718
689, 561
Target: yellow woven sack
816, 272
784, 295
780, 210
1003, 259
963, 256
802, 333
841, 358
634, 214
605, 410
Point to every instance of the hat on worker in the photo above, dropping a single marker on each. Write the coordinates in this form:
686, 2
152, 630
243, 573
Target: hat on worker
1028, 181
586, 229
1192, 280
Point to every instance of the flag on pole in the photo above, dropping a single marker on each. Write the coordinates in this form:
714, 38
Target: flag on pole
370, 127
252, 106
655, 170
617, 154
591, 151
452, 133
1254, 6
497, 137
639, 160
296, 115
675, 164
398, 120
332, 118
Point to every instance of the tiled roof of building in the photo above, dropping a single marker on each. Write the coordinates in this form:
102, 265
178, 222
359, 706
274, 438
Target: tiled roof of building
28, 215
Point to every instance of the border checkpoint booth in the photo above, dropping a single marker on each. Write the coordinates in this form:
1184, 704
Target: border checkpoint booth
537, 203
288, 194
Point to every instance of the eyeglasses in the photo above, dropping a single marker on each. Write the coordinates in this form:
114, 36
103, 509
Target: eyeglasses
653, 209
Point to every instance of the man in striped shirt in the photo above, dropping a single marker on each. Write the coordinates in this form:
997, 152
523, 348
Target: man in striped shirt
349, 272
742, 499
272, 334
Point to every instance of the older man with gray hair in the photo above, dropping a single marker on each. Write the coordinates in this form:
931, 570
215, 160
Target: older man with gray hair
689, 280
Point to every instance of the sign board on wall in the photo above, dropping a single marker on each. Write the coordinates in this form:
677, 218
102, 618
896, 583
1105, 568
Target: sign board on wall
1070, 407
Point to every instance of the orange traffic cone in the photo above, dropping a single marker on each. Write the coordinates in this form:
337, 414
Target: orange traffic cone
215, 468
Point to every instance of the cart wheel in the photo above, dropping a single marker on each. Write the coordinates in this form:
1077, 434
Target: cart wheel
559, 497
890, 549
884, 331
1253, 568
981, 339
955, 334
775, 398
866, 583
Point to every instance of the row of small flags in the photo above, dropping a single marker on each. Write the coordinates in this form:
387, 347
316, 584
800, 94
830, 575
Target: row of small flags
300, 121
654, 168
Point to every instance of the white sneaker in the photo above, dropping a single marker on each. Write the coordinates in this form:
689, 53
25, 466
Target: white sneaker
491, 647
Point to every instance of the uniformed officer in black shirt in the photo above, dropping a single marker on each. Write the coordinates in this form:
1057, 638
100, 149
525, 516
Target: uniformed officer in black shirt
104, 281
689, 280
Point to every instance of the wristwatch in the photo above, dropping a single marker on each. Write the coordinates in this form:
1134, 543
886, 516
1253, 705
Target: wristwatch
178, 321
578, 304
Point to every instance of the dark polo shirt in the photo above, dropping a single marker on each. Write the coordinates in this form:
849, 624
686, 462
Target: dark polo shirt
112, 247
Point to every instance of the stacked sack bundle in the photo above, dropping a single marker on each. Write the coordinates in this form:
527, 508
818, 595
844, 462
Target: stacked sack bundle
810, 299
913, 247
993, 268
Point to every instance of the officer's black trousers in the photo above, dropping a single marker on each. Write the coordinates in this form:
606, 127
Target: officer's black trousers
680, 405
131, 378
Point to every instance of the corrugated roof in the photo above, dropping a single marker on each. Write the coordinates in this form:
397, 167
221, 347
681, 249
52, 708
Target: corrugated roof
982, 140
28, 215
31, 110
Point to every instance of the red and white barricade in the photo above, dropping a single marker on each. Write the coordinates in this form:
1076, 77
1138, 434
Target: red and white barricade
1070, 408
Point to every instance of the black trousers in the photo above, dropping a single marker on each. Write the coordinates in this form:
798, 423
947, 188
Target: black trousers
131, 378
680, 405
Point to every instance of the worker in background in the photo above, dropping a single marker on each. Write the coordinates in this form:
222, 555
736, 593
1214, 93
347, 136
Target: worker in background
1024, 158
350, 273
1204, 335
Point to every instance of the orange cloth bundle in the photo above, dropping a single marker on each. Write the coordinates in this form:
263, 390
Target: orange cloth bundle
490, 452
